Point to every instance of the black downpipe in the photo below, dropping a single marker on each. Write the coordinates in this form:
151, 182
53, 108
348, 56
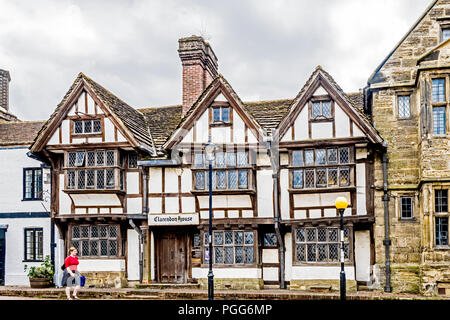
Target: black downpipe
387, 241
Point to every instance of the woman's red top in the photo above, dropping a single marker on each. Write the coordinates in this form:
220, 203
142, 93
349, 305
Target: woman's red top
72, 263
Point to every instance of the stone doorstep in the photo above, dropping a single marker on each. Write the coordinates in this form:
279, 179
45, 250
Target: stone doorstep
320, 288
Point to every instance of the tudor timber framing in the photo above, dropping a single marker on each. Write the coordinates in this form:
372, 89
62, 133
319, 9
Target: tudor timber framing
219, 85
81, 86
302, 100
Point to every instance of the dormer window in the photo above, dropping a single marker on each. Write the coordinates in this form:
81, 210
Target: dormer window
91, 126
221, 114
321, 110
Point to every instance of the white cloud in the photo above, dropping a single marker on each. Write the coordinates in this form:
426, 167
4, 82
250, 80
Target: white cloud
266, 49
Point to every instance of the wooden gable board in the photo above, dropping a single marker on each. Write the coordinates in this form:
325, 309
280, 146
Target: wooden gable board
69, 102
319, 79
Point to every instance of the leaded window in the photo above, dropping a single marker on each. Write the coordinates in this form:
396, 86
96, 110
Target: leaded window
230, 171
438, 90
441, 201
96, 240
406, 207
321, 168
32, 184
445, 35
34, 240
94, 169
221, 114
439, 120
132, 160
321, 109
87, 126
232, 247
441, 231
321, 245
404, 106
270, 239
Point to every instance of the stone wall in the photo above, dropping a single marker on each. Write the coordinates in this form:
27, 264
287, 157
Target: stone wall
233, 284
105, 279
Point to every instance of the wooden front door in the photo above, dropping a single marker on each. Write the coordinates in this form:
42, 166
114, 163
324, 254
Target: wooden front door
172, 264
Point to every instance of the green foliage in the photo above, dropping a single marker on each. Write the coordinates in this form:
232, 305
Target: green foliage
45, 270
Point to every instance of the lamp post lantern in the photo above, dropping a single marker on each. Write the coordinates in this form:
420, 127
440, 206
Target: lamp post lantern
342, 204
210, 150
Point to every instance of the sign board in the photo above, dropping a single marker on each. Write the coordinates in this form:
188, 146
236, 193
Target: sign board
173, 219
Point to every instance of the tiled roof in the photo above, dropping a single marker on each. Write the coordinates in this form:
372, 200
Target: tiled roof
18, 132
162, 121
131, 118
268, 113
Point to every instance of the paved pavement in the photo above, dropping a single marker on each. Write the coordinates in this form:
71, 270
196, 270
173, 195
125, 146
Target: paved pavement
199, 294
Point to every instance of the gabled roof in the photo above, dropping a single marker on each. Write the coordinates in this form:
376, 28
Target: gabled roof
18, 132
372, 76
322, 78
131, 121
217, 86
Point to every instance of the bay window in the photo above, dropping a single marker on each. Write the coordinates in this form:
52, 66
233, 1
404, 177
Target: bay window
321, 168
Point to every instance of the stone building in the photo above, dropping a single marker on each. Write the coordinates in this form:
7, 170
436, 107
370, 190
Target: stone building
407, 98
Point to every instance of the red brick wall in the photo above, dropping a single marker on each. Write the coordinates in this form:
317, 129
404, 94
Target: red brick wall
194, 83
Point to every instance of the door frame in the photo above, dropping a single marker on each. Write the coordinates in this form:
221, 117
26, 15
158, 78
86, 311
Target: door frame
185, 235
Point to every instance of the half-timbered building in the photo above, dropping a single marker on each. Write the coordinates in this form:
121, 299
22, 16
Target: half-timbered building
131, 186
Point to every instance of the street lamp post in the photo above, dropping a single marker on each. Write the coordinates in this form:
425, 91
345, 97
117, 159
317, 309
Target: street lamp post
342, 204
210, 150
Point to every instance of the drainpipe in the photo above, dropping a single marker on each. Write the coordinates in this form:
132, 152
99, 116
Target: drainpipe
273, 154
387, 241
145, 177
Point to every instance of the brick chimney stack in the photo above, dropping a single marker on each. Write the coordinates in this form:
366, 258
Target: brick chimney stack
4, 89
199, 68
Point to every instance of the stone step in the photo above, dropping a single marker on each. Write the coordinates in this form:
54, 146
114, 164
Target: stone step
363, 288
168, 286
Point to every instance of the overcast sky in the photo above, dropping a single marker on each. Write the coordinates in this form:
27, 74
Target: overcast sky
266, 49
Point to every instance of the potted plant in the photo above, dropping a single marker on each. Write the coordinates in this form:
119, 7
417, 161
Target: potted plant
42, 276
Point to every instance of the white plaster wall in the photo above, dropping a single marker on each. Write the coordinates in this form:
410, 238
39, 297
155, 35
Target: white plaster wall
288, 135
186, 180
228, 273
357, 131
95, 199
238, 128
361, 189
188, 204
319, 199
89, 265
172, 205
321, 272
270, 255
284, 194
265, 193
12, 162
155, 205
288, 256
132, 255
342, 122
65, 131
301, 125
14, 253
132, 182
90, 104
320, 91
109, 130
225, 201
270, 274
155, 180
134, 205
171, 182
321, 130
152, 256
362, 255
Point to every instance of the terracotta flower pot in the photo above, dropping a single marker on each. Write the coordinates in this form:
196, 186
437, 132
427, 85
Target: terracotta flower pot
40, 283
